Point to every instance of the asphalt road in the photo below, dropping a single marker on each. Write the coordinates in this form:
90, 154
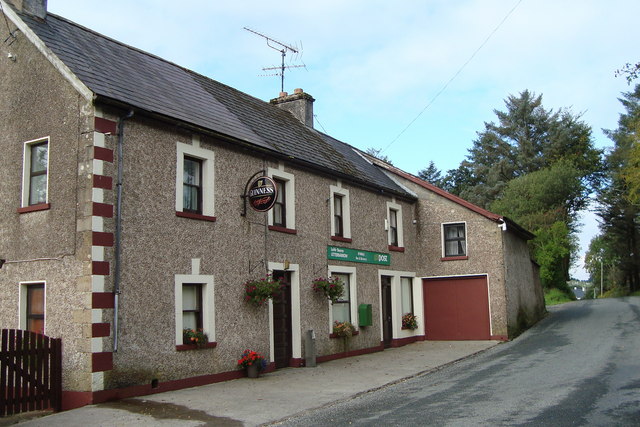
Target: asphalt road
579, 366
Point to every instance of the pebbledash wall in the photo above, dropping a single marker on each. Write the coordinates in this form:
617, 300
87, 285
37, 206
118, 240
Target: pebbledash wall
48, 243
495, 248
69, 244
226, 249
121, 322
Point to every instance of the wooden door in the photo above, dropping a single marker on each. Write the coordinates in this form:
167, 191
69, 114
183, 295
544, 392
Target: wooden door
282, 337
387, 321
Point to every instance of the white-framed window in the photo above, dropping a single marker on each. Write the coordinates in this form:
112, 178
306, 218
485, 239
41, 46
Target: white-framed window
32, 306
395, 233
194, 303
340, 206
283, 214
454, 239
194, 179
406, 294
35, 172
346, 308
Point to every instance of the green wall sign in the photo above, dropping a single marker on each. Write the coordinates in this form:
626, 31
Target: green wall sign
357, 255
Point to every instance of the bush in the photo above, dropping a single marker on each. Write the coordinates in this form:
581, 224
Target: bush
555, 296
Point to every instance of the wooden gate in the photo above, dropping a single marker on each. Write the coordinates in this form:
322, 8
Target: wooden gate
30, 372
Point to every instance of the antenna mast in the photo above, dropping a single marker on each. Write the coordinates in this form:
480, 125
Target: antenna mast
283, 48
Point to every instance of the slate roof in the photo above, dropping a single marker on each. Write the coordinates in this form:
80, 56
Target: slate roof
117, 72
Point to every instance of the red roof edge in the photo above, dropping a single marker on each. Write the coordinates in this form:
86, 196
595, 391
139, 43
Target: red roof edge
518, 229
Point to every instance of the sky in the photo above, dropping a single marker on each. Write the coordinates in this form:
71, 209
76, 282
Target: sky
415, 79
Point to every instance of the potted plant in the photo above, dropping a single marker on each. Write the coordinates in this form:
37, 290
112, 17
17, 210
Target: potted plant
258, 291
253, 362
331, 287
194, 337
343, 329
409, 321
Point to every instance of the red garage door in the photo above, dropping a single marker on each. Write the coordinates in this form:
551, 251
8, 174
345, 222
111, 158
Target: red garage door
456, 308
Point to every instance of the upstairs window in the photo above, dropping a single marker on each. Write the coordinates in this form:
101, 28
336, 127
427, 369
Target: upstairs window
393, 227
395, 234
338, 220
194, 181
340, 213
282, 217
280, 207
35, 172
455, 243
192, 186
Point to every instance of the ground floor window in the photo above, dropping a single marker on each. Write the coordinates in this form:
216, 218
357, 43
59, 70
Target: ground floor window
342, 308
406, 294
32, 307
194, 303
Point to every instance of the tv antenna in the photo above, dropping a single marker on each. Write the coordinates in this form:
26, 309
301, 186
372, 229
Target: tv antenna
282, 48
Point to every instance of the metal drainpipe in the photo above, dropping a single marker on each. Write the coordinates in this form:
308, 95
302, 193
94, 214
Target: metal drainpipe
117, 244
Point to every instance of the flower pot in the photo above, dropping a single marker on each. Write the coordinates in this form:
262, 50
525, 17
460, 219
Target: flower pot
252, 371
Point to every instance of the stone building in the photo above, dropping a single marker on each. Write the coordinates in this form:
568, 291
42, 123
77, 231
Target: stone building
125, 220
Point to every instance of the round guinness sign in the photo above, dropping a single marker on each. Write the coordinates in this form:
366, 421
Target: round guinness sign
262, 194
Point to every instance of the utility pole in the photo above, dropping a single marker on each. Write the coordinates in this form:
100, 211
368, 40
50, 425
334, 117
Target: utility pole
601, 276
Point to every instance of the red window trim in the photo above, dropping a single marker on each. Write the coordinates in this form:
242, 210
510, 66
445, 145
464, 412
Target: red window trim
282, 229
35, 208
342, 239
396, 248
454, 258
187, 347
191, 215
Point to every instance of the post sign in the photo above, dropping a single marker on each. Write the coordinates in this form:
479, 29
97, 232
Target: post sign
357, 255
262, 194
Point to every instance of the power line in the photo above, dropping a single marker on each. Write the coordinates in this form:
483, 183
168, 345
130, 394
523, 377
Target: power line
454, 76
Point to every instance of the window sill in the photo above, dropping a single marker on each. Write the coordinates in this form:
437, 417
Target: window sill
408, 329
341, 239
454, 258
338, 336
396, 248
35, 208
195, 216
282, 229
187, 347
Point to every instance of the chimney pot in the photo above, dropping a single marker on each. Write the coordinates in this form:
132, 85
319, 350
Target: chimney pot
299, 104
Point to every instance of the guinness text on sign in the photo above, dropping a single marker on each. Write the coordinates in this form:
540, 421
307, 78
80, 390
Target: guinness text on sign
262, 194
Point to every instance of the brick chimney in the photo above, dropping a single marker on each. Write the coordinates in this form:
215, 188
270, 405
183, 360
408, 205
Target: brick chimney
37, 8
299, 104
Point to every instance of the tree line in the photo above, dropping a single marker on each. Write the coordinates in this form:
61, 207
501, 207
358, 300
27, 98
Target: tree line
540, 168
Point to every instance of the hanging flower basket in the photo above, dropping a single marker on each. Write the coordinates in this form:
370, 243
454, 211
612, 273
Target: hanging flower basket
257, 292
409, 321
343, 329
331, 287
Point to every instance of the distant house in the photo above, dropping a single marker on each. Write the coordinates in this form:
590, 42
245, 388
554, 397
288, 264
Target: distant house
125, 221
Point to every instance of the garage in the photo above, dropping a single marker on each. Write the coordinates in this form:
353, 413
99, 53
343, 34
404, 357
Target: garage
456, 308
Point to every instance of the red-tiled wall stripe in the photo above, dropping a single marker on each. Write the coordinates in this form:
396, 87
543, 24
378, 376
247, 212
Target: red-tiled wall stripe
102, 239
102, 300
100, 268
105, 154
100, 330
101, 362
105, 126
101, 181
102, 209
